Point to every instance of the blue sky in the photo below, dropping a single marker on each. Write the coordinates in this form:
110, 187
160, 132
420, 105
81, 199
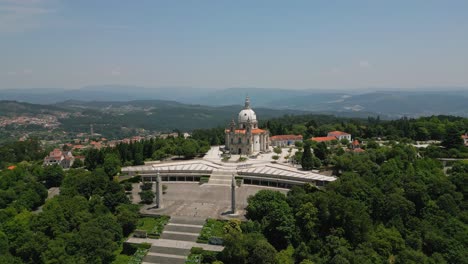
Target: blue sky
219, 44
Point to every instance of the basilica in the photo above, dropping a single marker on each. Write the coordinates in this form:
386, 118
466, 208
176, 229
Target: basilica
246, 138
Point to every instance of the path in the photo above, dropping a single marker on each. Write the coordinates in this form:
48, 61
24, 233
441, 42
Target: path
178, 237
51, 193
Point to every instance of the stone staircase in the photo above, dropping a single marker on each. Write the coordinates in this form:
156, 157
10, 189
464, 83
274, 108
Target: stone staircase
179, 230
221, 177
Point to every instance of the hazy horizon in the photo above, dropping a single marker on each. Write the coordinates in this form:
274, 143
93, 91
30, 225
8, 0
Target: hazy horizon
300, 45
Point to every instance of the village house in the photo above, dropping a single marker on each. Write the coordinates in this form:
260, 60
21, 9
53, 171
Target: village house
339, 135
465, 139
333, 135
356, 147
63, 158
284, 140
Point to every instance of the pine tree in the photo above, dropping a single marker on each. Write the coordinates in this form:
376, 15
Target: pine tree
306, 161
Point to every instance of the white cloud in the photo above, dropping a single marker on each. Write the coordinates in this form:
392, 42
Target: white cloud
19, 16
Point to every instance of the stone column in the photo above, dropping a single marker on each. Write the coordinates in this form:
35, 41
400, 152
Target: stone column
159, 191
233, 195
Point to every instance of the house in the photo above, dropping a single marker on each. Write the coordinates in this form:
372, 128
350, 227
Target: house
339, 135
323, 139
333, 135
284, 140
465, 139
356, 147
63, 158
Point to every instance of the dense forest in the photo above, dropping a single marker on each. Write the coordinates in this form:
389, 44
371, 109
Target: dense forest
84, 224
392, 203
135, 153
395, 208
423, 128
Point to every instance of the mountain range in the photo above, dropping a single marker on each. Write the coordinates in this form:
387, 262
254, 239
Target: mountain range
391, 103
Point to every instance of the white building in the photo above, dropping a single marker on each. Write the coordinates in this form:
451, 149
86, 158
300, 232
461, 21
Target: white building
285, 140
339, 135
465, 139
63, 158
246, 138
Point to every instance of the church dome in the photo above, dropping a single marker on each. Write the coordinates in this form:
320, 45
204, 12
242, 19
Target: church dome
247, 113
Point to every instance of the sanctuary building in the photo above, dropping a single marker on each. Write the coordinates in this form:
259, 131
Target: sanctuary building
246, 138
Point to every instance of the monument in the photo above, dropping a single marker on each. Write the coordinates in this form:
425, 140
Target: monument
159, 191
233, 195
246, 138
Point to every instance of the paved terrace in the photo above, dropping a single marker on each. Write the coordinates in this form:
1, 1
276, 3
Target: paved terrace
258, 171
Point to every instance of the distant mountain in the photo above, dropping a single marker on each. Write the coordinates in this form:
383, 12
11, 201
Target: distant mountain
392, 103
102, 93
13, 108
159, 114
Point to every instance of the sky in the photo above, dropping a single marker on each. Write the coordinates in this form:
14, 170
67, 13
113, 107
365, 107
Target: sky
327, 44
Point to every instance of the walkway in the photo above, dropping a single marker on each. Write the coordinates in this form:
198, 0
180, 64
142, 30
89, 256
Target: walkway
178, 237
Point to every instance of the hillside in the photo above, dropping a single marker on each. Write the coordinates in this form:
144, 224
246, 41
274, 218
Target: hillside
393, 103
156, 115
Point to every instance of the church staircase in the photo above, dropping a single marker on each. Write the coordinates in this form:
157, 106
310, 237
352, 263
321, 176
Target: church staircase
221, 177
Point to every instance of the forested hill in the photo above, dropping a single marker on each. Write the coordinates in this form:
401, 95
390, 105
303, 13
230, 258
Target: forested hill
14, 108
157, 115
111, 118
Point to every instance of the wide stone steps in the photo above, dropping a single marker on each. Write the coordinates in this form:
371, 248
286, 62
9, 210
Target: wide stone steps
181, 237
187, 221
186, 229
163, 260
221, 177
169, 250
183, 229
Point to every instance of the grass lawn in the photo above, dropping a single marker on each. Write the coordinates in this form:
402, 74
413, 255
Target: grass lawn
153, 225
198, 255
212, 228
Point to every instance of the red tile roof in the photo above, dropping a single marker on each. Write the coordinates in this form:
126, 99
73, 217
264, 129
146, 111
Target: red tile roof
337, 133
323, 139
464, 136
242, 131
12, 167
356, 142
258, 131
286, 137
358, 150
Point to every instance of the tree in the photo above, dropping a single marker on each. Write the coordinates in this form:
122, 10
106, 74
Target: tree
452, 138
344, 141
127, 217
53, 175
272, 210
306, 161
277, 150
111, 164
189, 149
93, 159
321, 151
147, 197
262, 253
78, 163
114, 195
285, 256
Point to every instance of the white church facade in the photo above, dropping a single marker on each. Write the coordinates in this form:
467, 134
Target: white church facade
246, 138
